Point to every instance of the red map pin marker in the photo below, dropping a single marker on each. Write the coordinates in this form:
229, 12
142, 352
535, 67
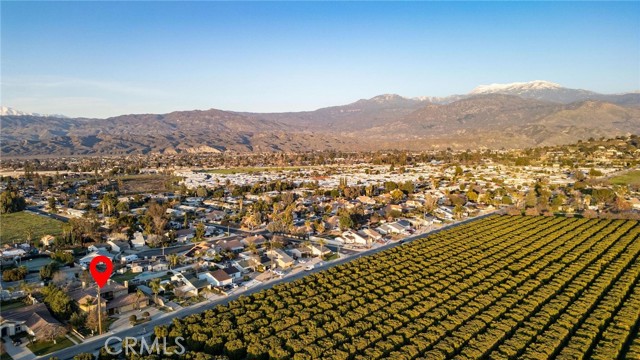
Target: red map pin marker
100, 277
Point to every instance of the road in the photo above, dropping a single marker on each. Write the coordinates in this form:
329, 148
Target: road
166, 251
39, 211
95, 343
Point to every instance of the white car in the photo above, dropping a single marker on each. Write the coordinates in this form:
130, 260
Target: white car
279, 273
309, 267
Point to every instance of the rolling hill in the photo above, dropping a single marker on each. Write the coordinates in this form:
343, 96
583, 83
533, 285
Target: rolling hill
493, 116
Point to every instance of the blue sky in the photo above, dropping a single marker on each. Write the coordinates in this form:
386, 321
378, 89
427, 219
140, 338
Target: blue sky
100, 59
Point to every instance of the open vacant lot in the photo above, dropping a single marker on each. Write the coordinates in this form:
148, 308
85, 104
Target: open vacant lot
18, 226
630, 178
504, 287
135, 184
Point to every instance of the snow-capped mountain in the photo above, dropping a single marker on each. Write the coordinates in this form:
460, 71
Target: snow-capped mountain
539, 90
516, 87
7, 111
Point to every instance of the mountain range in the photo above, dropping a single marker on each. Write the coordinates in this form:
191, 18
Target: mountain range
7, 111
513, 115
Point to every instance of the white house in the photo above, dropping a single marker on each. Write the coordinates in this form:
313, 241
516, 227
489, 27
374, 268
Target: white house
12, 253
371, 234
128, 258
138, 240
216, 278
75, 213
160, 266
351, 237
85, 261
391, 228
118, 245
281, 258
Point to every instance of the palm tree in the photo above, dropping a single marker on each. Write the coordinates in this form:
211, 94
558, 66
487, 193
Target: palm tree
322, 243
139, 295
155, 288
173, 259
253, 248
27, 288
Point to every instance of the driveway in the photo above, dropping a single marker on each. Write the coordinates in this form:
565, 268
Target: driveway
123, 319
20, 352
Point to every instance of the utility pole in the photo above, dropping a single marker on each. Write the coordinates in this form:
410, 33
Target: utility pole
99, 314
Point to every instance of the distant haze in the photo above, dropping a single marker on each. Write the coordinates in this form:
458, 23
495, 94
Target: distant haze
495, 116
100, 59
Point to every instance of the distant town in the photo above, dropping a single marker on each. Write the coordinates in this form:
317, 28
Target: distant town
188, 231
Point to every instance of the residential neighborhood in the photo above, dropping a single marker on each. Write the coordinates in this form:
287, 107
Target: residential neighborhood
206, 235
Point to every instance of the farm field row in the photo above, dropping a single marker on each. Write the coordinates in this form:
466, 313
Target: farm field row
503, 287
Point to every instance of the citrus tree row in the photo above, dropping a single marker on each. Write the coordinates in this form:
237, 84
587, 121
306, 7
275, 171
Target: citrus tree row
500, 287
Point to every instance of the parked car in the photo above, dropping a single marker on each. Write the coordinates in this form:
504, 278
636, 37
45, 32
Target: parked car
309, 267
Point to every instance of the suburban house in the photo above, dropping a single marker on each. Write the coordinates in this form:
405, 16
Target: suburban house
350, 237
35, 320
185, 235
371, 234
246, 265
389, 209
75, 213
217, 278
231, 245
216, 215
126, 303
280, 258
85, 261
138, 240
391, 228
257, 240
47, 240
118, 245
309, 250
233, 272
159, 266
301, 251
87, 298
406, 224
98, 247
189, 285
366, 200
11, 253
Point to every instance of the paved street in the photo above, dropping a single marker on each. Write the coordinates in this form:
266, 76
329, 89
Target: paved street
36, 210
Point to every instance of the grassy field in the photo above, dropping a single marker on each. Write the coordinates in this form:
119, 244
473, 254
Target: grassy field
15, 227
630, 178
249, 170
45, 347
503, 287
